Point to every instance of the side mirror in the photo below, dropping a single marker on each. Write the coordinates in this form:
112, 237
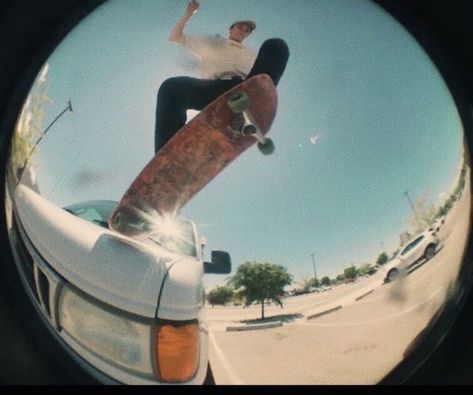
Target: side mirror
221, 263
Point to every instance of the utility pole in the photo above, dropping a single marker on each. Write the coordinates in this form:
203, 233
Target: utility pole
313, 263
410, 202
68, 108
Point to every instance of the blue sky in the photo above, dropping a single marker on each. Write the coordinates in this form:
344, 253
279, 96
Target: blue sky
356, 79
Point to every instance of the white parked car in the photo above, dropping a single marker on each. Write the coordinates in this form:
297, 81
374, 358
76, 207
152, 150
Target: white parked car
420, 249
128, 311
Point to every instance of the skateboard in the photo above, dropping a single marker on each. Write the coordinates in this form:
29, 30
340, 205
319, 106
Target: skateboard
197, 153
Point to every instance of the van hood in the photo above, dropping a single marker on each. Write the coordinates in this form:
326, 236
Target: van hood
106, 265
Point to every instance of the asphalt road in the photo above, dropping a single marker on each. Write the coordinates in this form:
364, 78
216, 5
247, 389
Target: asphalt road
359, 342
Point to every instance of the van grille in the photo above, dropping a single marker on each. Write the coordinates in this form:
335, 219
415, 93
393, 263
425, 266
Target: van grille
24, 259
42, 288
43, 282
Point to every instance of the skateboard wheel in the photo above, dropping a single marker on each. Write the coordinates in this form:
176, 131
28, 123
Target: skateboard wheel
117, 220
119, 223
266, 148
239, 102
248, 130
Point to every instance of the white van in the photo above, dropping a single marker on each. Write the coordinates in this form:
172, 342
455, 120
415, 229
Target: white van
128, 311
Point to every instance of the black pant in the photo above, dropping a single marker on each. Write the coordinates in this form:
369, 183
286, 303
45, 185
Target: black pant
179, 94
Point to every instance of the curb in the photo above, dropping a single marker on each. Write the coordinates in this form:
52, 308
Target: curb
324, 312
253, 327
365, 294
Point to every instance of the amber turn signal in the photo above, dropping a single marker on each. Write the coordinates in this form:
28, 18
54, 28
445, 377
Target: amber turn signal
177, 351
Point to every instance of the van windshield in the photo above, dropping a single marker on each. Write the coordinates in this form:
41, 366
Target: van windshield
176, 235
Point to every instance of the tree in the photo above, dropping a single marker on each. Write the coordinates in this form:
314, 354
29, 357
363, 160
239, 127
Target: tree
461, 183
238, 299
307, 284
404, 238
382, 259
220, 295
340, 278
259, 282
350, 273
443, 211
455, 195
30, 124
325, 281
424, 214
364, 269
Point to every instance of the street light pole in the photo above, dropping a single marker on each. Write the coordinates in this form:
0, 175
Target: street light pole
68, 108
315, 272
410, 202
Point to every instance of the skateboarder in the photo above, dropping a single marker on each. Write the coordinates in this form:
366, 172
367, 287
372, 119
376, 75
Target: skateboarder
224, 64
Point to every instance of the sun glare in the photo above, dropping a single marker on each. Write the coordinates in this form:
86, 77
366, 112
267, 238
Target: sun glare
168, 226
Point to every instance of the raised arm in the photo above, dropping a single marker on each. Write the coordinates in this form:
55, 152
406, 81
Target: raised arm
177, 34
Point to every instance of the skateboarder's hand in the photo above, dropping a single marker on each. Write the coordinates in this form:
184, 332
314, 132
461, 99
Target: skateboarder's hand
192, 8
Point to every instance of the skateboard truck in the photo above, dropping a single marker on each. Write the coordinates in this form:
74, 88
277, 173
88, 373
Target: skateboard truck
244, 124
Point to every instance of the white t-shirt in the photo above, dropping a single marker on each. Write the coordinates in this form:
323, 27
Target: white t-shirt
221, 58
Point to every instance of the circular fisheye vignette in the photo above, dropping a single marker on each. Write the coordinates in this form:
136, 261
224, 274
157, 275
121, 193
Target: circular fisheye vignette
434, 334
48, 285
43, 26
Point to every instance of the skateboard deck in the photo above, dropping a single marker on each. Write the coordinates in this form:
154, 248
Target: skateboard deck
197, 153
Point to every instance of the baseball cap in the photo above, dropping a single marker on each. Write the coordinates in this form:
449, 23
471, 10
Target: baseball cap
250, 24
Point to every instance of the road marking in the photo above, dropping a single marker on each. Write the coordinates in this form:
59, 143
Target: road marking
321, 313
229, 371
401, 313
238, 328
365, 294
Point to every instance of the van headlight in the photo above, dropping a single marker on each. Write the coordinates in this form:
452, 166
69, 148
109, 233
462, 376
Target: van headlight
112, 335
126, 341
